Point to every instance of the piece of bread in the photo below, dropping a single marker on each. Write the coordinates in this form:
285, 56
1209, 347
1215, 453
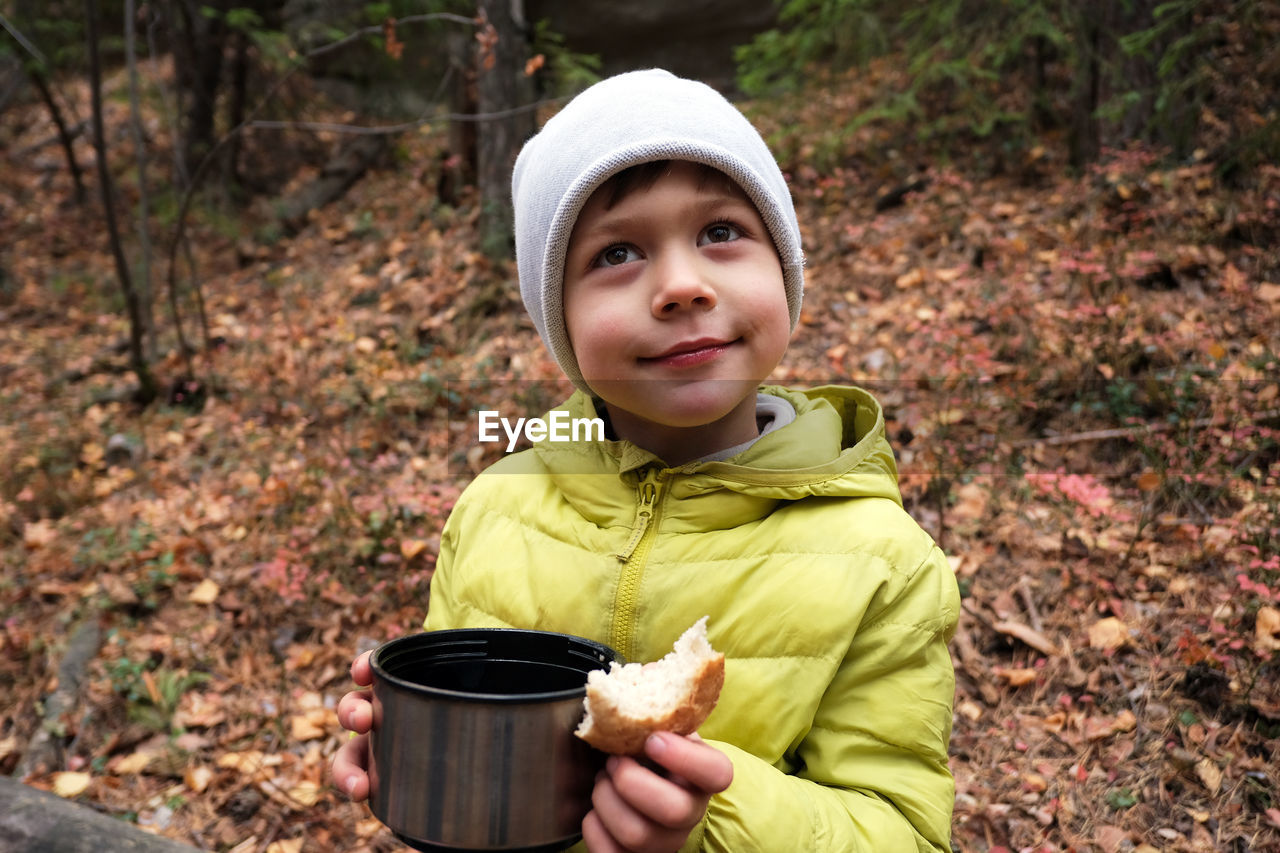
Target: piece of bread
629, 702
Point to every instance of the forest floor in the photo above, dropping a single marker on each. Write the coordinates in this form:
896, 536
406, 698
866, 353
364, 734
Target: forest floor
1081, 378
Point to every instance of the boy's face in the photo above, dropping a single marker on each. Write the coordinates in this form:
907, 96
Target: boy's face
676, 308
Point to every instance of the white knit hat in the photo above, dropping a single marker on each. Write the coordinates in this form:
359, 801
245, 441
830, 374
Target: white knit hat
634, 118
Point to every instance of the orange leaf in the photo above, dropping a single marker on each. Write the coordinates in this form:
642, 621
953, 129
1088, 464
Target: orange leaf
1016, 677
410, 548
1148, 481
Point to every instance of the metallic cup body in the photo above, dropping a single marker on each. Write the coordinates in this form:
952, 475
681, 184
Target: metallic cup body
453, 770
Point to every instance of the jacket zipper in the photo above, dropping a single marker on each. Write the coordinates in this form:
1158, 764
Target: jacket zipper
633, 557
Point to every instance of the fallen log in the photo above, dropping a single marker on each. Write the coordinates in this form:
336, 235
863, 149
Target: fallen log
33, 821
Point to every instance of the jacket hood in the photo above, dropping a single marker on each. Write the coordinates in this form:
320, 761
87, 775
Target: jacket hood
836, 447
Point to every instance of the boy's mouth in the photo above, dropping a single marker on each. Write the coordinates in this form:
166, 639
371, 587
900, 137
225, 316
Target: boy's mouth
690, 353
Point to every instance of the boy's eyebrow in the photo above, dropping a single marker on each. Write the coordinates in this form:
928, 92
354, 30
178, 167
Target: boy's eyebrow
707, 203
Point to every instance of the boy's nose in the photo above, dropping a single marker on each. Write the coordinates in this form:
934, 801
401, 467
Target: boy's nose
680, 287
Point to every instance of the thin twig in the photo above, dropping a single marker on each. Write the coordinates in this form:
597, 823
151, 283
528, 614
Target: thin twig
380, 28
1126, 432
1033, 614
355, 129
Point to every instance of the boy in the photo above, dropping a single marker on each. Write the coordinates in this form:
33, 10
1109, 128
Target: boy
659, 256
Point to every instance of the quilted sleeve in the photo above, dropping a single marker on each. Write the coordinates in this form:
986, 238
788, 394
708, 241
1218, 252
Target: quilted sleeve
873, 770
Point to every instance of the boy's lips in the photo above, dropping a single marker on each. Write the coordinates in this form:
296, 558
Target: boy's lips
690, 353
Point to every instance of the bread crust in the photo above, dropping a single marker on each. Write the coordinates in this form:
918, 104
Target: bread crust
609, 729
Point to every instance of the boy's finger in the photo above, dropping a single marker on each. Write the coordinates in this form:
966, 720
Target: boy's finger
654, 794
699, 764
350, 768
362, 670
355, 711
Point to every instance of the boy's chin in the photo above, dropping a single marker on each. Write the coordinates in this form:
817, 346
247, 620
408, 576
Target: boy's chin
677, 405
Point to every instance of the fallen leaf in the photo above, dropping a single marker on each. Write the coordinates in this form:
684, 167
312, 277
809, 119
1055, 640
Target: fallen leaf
912, 279
249, 762
971, 502
312, 725
70, 783
1210, 774
1149, 481
1028, 635
206, 592
410, 548
1098, 728
305, 794
197, 778
1267, 630
199, 711
134, 763
1016, 677
1108, 634
37, 534
1112, 839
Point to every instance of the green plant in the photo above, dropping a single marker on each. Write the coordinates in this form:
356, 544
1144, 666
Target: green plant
570, 71
152, 693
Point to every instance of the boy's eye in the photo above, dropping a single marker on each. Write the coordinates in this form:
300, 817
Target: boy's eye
721, 232
617, 255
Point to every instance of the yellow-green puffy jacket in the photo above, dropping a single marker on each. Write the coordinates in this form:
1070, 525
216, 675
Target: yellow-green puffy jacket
832, 607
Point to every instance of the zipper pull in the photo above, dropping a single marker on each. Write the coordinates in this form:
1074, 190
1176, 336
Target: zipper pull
648, 490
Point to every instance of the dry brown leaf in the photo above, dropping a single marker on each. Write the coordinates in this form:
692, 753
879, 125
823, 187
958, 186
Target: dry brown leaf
206, 592
1028, 635
971, 502
197, 778
71, 783
305, 794
410, 548
313, 723
249, 762
912, 279
199, 711
1098, 728
1210, 774
1108, 634
134, 763
1016, 677
37, 534
1112, 839
1267, 630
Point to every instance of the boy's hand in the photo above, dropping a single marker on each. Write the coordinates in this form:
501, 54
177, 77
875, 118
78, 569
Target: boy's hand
355, 714
637, 810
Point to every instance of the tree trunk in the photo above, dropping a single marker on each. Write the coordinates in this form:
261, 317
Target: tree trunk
1084, 135
146, 383
502, 88
236, 107
198, 41
144, 200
